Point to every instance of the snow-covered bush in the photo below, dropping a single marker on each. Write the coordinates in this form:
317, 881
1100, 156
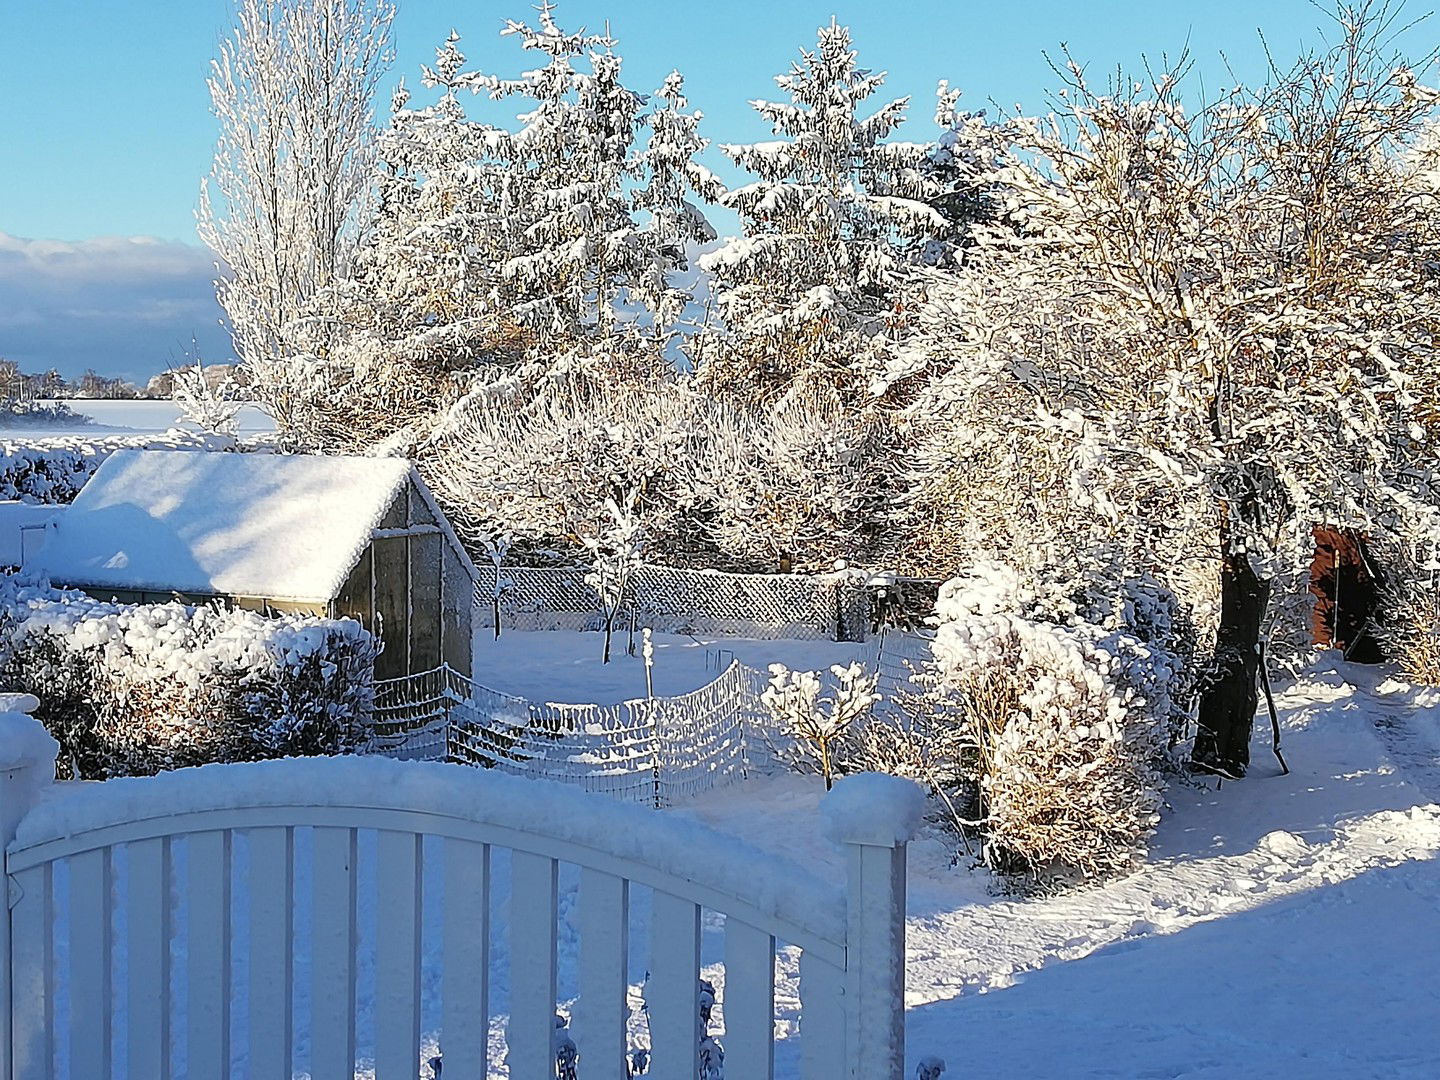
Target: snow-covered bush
1061, 707
819, 725
134, 689
210, 403
17, 413
1408, 613
54, 470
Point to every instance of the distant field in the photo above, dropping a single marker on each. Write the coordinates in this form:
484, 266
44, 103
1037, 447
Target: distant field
140, 416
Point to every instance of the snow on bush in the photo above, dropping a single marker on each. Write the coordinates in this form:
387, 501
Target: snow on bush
818, 725
1408, 615
1062, 702
135, 689
211, 404
53, 470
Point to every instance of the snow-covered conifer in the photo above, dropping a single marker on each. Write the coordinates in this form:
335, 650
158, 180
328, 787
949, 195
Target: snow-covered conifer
812, 285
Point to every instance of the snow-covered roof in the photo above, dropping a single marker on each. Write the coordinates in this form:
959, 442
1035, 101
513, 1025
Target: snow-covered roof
22, 529
278, 526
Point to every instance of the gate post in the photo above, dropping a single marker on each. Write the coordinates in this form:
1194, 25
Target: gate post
27, 767
874, 816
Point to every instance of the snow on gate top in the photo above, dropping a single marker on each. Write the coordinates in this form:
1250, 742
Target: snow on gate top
273, 525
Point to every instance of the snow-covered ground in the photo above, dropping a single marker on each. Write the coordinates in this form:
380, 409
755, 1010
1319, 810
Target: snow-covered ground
565, 666
1285, 925
134, 416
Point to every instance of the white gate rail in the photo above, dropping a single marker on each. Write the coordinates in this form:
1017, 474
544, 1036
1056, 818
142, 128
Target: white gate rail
851, 970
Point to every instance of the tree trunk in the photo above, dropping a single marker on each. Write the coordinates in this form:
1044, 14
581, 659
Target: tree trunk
1228, 704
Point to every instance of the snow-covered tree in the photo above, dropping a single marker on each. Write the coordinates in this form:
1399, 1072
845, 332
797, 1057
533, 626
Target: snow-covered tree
674, 181
616, 548
1226, 315
502, 258
293, 89
794, 482
811, 286
539, 465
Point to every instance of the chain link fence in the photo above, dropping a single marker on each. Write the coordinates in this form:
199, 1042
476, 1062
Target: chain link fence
827, 607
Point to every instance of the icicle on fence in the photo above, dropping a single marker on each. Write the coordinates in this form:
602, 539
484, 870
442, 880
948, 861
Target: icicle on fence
652, 751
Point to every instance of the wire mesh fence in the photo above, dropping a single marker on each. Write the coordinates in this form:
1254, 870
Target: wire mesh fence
826, 607
652, 751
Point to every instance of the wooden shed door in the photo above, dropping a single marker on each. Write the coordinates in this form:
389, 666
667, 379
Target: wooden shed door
1342, 578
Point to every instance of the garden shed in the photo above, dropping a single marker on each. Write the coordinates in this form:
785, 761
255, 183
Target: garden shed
306, 534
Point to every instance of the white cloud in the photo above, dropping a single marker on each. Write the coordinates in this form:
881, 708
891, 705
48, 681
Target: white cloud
121, 305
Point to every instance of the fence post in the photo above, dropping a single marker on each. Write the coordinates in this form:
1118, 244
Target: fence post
874, 816
651, 711
27, 767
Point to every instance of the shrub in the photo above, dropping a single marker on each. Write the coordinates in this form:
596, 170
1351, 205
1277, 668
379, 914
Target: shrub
1408, 614
819, 727
135, 689
1052, 704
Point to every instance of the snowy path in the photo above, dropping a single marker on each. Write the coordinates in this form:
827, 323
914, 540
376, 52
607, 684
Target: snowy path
1281, 920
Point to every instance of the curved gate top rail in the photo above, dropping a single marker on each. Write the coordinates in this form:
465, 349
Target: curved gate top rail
84, 859
680, 856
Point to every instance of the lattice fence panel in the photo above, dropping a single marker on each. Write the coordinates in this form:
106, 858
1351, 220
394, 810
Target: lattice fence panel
819, 608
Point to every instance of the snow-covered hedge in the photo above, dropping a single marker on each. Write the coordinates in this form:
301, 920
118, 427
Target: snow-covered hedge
131, 690
53, 470
1062, 700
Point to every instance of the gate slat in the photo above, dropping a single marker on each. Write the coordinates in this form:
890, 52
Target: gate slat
822, 1020
207, 947
332, 956
602, 1011
748, 1001
33, 974
673, 993
534, 885
90, 964
397, 956
271, 887
464, 992
148, 961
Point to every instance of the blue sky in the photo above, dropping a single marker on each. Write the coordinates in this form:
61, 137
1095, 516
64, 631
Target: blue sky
105, 129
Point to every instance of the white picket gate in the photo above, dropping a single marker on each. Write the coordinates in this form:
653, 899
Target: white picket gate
125, 860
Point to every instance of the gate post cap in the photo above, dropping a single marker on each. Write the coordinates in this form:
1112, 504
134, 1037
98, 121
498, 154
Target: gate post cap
874, 809
24, 742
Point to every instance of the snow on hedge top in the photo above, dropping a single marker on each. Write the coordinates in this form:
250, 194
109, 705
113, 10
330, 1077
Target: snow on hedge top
276, 526
670, 844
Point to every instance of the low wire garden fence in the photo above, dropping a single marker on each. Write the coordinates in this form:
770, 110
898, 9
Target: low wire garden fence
649, 750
